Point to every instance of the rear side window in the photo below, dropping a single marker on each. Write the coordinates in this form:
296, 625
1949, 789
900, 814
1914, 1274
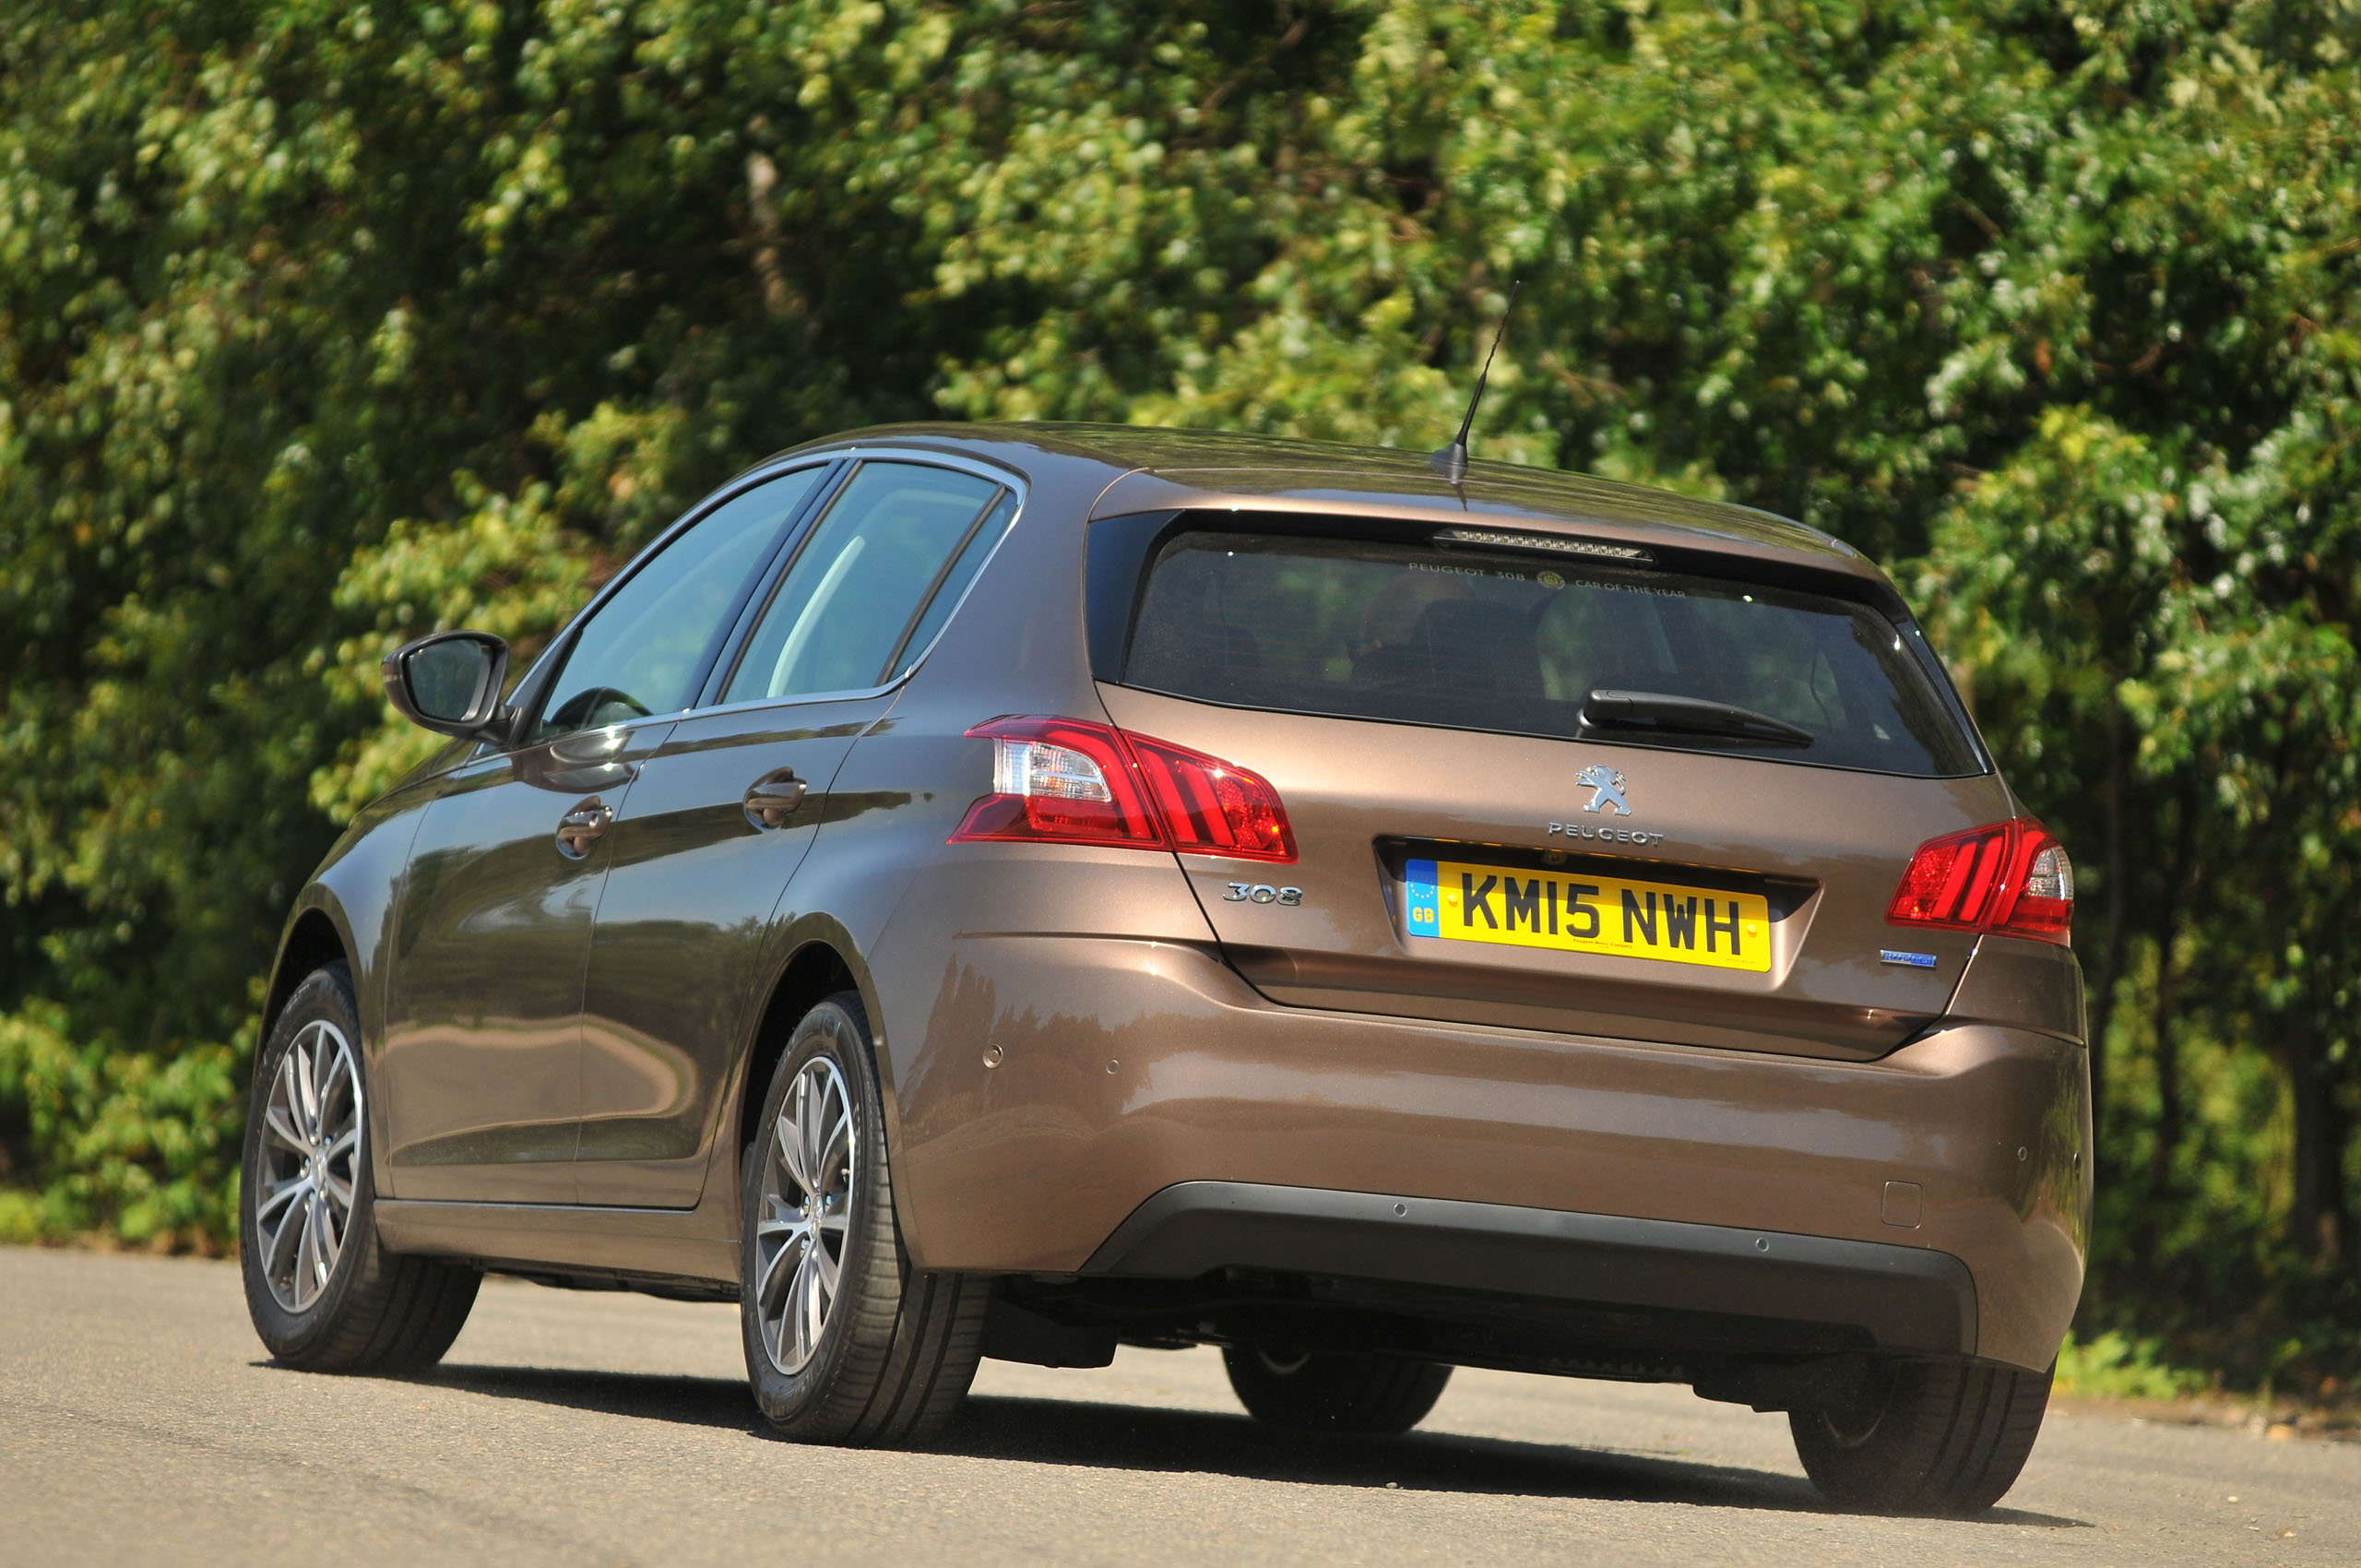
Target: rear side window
852, 602
1416, 635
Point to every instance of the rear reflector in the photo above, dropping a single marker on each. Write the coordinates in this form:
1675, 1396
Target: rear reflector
2011, 877
1072, 781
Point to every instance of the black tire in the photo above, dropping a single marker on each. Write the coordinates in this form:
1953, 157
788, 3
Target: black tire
378, 1311
1930, 1438
898, 1348
1333, 1392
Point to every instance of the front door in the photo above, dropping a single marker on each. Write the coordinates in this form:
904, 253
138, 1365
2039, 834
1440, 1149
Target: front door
727, 809
483, 1011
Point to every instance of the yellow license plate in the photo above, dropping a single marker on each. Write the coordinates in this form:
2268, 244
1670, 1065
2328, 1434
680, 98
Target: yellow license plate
1582, 912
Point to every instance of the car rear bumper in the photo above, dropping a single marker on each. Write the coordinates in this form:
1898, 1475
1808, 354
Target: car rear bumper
1908, 1301
1056, 1092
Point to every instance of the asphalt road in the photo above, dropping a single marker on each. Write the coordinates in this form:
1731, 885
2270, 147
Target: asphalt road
139, 1422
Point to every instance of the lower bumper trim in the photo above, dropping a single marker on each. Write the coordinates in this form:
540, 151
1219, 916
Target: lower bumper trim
1909, 1299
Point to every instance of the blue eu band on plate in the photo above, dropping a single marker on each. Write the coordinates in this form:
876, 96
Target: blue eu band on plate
1584, 912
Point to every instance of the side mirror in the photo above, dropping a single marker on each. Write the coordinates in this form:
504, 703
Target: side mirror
449, 682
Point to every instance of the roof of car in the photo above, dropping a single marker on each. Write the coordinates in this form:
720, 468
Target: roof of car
1207, 467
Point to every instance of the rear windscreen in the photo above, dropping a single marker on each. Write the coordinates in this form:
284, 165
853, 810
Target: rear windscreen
1418, 634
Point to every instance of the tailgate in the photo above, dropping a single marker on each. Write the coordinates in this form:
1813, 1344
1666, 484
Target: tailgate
1474, 845
1369, 801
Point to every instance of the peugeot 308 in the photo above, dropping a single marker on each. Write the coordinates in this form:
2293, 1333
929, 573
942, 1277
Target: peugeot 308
1018, 891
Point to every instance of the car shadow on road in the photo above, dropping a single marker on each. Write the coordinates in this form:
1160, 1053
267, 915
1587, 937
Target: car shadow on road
1097, 1435
689, 1401
1131, 1437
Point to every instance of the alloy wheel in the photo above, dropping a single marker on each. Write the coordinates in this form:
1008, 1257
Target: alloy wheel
311, 1164
804, 1213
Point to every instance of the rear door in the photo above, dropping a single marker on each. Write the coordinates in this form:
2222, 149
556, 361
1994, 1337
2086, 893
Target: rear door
725, 811
1470, 847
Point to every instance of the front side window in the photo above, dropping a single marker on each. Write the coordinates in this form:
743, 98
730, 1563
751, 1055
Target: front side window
852, 601
645, 648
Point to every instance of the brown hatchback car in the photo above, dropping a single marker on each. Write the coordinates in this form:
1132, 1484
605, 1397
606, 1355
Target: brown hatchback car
1018, 891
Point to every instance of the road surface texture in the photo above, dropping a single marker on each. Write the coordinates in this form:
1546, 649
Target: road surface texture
140, 1423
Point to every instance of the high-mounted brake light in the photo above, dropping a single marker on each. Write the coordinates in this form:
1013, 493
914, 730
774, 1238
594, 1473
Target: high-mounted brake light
2011, 877
1072, 781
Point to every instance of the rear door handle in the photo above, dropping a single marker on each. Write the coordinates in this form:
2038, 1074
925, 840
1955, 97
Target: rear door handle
580, 827
771, 799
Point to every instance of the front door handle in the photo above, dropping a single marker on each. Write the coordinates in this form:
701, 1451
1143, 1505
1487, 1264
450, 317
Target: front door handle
771, 799
578, 828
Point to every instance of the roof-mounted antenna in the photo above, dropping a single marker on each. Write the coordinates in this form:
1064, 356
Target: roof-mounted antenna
1452, 461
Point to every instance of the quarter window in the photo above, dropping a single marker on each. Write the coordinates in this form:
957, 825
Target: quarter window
956, 579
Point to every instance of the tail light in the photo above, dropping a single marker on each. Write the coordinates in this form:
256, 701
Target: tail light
1211, 808
1063, 779
2011, 877
1075, 782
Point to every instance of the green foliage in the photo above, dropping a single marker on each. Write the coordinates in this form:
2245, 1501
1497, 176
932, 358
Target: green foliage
2111, 1367
322, 326
146, 1139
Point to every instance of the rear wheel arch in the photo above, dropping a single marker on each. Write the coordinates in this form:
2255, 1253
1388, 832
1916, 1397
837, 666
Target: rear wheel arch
816, 970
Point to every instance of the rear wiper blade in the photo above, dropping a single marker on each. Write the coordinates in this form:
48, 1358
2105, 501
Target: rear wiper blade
1690, 715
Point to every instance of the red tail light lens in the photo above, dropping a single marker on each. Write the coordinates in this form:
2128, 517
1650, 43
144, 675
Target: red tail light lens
1952, 880
1211, 808
2011, 877
1076, 782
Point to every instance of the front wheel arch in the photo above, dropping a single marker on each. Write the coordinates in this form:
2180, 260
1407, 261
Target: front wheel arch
314, 940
